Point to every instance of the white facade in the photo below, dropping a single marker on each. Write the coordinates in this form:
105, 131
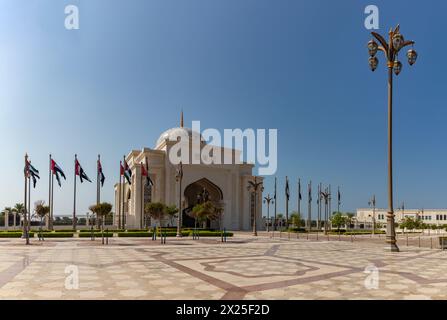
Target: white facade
428, 216
224, 183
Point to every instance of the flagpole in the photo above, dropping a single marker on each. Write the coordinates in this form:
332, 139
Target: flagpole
274, 224
142, 198
309, 219
287, 204
74, 194
29, 200
119, 198
318, 207
299, 200
98, 190
25, 222
124, 221
52, 203
49, 195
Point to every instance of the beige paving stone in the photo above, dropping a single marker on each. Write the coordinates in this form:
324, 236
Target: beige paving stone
261, 268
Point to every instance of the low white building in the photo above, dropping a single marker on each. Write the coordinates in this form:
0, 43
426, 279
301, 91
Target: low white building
429, 216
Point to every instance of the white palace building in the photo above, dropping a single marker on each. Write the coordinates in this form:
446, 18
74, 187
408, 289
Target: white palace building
428, 216
225, 184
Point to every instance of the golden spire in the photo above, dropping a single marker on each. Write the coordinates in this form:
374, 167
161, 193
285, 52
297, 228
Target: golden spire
181, 120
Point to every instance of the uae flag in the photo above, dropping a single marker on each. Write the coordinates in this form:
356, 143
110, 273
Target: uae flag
56, 170
145, 173
127, 172
32, 172
101, 176
310, 193
299, 190
287, 189
80, 172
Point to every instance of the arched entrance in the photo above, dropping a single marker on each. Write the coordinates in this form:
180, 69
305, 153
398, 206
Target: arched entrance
197, 192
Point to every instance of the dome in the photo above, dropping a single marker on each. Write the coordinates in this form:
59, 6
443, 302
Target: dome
173, 134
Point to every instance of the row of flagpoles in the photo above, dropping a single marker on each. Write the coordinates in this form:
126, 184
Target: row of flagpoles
55, 171
323, 196
31, 173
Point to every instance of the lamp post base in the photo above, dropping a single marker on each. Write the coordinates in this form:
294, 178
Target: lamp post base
179, 235
391, 247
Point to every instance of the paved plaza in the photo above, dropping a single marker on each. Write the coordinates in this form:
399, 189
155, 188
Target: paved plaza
242, 268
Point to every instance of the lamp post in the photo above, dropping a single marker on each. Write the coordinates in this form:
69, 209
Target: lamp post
253, 186
268, 200
372, 203
179, 178
391, 49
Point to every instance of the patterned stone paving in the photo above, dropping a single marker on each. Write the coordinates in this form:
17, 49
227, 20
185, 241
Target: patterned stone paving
243, 268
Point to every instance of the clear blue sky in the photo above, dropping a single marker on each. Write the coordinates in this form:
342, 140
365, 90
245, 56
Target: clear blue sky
298, 66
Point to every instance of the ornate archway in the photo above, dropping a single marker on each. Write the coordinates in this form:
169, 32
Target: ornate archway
197, 192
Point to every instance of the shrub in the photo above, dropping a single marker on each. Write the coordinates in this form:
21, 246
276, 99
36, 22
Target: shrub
135, 234
206, 233
64, 230
10, 234
297, 229
57, 234
96, 234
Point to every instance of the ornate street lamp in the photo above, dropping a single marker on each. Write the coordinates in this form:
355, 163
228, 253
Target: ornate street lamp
391, 49
268, 200
253, 186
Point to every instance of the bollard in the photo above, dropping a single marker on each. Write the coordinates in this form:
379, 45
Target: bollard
407, 240
225, 234
317, 235
419, 241
339, 238
307, 235
431, 243
107, 236
352, 240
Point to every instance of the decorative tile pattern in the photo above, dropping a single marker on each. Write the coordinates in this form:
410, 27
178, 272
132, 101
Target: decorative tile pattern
243, 268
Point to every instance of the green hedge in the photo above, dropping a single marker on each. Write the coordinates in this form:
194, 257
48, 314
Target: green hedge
149, 234
96, 234
204, 233
10, 234
99, 230
16, 234
57, 234
135, 234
